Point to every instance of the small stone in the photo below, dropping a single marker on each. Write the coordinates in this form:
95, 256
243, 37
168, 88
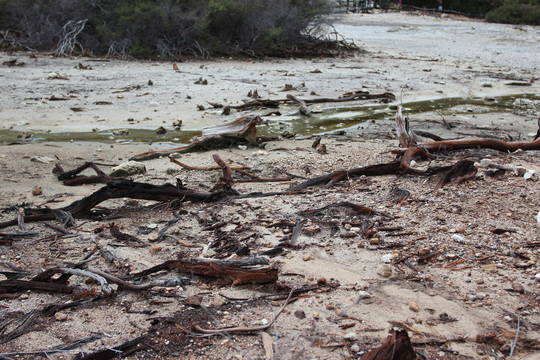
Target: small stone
42, 159
37, 190
517, 287
300, 314
127, 169
161, 130
307, 257
374, 241
60, 316
386, 258
155, 249
316, 315
537, 278
364, 295
458, 238
194, 300
424, 251
414, 306
385, 271
355, 348
351, 336
486, 84
153, 237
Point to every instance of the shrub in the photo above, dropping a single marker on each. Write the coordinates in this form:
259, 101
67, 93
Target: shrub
516, 12
165, 28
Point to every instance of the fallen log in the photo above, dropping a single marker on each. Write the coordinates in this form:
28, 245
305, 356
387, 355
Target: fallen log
239, 275
115, 190
424, 150
240, 130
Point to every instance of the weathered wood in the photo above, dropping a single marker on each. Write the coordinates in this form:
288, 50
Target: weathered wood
23, 285
240, 130
215, 269
397, 346
115, 190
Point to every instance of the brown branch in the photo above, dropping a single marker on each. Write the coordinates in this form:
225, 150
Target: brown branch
247, 329
215, 269
70, 177
115, 190
397, 346
227, 172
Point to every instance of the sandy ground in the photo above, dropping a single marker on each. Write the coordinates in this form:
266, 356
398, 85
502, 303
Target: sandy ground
463, 302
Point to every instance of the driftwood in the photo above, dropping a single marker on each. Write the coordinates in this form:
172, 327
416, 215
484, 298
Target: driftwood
115, 190
397, 346
120, 351
243, 329
360, 209
215, 269
241, 130
460, 171
70, 178
274, 103
23, 285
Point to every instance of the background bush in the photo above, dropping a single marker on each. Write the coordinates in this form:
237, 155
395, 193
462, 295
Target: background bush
505, 11
165, 28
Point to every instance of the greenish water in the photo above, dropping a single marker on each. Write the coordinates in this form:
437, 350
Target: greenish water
328, 119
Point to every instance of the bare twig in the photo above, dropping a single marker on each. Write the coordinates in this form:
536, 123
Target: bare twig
242, 329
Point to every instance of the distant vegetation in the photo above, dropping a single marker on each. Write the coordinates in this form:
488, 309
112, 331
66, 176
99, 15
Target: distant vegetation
165, 28
504, 11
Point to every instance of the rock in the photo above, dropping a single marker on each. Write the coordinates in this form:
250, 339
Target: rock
300, 314
414, 306
351, 336
364, 295
37, 190
307, 257
355, 348
458, 238
386, 258
374, 241
177, 124
127, 169
60, 316
229, 228
424, 251
42, 159
311, 229
120, 132
486, 84
517, 287
385, 271
161, 130
153, 237
537, 278
194, 300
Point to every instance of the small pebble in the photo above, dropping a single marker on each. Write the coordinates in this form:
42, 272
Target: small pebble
414, 306
385, 271
517, 287
300, 314
350, 336
60, 316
